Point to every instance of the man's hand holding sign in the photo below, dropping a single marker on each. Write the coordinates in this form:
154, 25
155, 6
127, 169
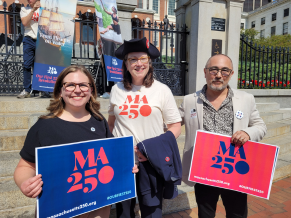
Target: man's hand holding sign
239, 138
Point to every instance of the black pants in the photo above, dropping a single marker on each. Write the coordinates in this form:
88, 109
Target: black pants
235, 203
125, 209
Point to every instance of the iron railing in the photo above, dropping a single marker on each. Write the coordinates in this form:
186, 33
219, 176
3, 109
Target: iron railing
170, 67
263, 67
11, 54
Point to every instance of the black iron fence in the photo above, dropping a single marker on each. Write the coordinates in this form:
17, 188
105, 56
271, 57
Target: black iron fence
11, 53
263, 67
170, 67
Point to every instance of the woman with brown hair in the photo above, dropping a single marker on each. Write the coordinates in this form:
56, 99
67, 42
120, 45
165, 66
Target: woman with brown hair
73, 117
141, 106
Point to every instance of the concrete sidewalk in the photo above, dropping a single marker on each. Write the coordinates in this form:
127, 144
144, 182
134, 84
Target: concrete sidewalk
278, 206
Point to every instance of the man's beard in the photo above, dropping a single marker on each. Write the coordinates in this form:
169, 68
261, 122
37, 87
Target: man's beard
215, 88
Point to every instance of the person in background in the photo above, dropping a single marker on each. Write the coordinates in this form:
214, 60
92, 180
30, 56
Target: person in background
115, 26
219, 109
73, 113
140, 106
29, 18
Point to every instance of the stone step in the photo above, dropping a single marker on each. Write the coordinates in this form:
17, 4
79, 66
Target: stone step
283, 141
266, 107
27, 105
278, 128
283, 167
274, 116
34, 105
18, 121
11, 140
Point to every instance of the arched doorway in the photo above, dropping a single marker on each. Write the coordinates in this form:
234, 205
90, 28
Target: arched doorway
136, 22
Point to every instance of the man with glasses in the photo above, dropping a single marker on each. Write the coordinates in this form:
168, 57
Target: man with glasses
219, 109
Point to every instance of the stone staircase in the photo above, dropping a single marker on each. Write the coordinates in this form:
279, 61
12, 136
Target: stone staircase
17, 116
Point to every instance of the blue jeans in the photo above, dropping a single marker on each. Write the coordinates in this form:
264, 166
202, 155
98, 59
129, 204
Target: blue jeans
28, 61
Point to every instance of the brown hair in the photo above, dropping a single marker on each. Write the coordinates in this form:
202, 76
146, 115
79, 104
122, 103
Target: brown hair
57, 104
127, 79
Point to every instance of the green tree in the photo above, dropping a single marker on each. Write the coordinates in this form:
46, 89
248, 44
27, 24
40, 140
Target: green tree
250, 33
275, 40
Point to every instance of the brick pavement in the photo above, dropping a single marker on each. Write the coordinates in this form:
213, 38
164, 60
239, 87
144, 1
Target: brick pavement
278, 206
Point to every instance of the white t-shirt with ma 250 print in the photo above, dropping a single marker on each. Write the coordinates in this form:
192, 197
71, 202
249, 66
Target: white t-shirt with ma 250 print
142, 112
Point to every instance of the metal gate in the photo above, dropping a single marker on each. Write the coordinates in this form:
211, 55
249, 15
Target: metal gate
170, 67
11, 51
263, 67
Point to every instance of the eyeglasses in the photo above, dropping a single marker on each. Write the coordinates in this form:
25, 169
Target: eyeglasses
225, 72
70, 86
134, 60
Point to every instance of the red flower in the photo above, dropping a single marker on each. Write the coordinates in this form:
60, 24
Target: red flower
268, 82
264, 85
272, 80
276, 81
272, 85
288, 82
243, 81
260, 84
280, 82
284, 85
238, 78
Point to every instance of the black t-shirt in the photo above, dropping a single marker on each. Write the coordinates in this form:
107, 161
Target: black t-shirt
55, 131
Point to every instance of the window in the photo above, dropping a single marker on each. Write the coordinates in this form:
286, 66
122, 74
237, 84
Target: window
285, 28
156, 38
262, 20
273, 30
274, 16
156, 6
262, 34
140, 3
242, 25
286, 12
171, 7
253, 24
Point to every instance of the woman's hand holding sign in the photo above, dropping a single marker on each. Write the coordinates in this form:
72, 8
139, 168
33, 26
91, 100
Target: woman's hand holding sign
32, 187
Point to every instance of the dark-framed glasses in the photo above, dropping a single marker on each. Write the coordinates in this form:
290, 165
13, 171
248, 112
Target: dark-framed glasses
134, 60
70, 86
225, 72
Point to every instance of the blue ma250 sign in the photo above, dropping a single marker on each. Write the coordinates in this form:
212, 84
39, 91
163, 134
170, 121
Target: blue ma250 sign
85, 176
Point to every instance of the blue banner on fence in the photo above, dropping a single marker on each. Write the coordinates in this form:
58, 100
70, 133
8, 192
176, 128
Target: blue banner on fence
110, 37
85, 176
54, 41
113, 68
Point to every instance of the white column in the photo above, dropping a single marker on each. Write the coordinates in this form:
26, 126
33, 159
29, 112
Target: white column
200, 43
144, 4
180, 20
234, 7
150, 4
125, 8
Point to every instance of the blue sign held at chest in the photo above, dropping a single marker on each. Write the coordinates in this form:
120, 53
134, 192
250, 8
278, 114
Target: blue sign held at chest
85, 176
